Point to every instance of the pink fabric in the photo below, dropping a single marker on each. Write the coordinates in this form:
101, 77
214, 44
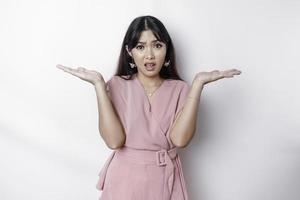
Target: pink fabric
148, 167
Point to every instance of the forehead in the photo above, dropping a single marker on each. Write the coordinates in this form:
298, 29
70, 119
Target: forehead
147, 36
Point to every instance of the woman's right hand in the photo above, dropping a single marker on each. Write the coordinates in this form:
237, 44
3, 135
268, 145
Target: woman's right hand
90, 76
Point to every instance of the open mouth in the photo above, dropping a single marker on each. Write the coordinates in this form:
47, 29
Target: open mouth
150, 66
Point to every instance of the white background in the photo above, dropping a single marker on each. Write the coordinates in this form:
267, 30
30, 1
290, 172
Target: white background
247, 142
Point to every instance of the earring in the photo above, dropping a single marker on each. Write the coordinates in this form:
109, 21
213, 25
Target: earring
167, 63
132, 65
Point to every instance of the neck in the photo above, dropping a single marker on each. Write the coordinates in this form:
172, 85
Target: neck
150, 81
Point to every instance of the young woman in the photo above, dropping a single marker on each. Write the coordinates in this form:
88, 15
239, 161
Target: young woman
146, 112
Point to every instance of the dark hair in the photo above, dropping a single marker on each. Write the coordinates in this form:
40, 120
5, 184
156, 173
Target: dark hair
137, 26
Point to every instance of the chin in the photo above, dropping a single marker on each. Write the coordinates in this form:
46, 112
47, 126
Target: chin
151, 73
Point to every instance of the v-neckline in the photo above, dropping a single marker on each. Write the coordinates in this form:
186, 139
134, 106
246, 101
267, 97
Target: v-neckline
150, 104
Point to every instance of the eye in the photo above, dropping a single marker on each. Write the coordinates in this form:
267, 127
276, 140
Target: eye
158, 45
139, 47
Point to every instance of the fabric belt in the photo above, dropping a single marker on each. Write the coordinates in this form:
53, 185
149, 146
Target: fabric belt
162, 157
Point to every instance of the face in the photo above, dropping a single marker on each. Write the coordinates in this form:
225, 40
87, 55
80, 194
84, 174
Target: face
149, 54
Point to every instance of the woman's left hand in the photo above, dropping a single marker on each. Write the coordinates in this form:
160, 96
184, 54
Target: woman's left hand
203, 78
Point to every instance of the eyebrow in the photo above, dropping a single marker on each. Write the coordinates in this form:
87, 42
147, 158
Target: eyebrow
151, 42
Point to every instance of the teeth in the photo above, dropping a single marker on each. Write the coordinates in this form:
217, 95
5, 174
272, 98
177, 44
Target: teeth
150, 64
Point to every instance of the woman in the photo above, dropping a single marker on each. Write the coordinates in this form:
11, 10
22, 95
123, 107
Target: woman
146, 112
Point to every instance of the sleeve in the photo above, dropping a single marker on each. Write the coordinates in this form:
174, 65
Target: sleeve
111, 87
183, 94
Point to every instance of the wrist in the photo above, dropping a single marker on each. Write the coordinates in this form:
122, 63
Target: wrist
198, 85
99, 84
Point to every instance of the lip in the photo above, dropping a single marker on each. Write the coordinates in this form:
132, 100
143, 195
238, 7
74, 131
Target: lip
150, 68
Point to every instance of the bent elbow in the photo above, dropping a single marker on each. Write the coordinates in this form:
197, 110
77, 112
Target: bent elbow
178, 143
181, 144
180, 140
117, 145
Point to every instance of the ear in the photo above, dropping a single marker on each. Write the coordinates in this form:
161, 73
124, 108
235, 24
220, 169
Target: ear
126, 46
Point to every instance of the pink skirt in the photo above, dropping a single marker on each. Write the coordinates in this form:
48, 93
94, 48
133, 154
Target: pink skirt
134, 174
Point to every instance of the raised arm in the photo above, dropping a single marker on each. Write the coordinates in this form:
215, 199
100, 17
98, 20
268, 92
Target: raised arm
110, 126
184, 126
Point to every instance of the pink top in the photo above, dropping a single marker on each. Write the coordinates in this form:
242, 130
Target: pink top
147, 128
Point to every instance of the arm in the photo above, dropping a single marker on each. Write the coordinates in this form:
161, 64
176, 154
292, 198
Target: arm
110, 126
184, 125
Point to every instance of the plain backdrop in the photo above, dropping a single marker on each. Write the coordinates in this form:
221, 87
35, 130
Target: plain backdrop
247, 142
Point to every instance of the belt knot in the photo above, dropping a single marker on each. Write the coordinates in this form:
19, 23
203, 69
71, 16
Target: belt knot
161, 155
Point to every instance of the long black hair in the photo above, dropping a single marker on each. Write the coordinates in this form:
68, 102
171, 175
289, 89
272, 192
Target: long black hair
137, 26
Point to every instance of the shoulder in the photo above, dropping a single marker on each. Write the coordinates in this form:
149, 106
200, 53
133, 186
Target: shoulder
118, 81
115, 78
113, 81
179, 84
183, 83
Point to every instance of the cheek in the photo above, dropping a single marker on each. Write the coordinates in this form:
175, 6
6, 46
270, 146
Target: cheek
161, 55
138, 57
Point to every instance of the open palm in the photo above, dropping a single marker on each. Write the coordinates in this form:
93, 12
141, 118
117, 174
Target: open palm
207, 77
90, 76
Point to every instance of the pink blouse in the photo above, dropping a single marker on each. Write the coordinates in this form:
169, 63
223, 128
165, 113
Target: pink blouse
148, 149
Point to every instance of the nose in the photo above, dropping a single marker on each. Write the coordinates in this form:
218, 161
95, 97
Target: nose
149, 54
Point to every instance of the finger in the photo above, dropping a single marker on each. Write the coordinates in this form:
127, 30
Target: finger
235, 71
232, 72
229, 75
69, 70
63, 67
60, 66
81, 69
238, 72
